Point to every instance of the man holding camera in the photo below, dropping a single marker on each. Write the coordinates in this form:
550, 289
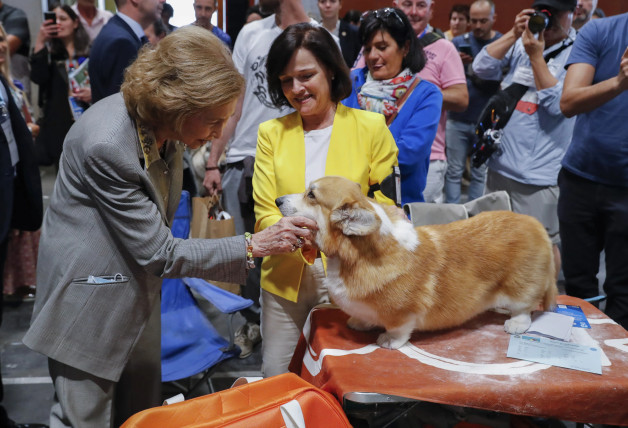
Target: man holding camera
460, 130
535, 139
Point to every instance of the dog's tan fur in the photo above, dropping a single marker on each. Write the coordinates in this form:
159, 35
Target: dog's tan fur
380, 275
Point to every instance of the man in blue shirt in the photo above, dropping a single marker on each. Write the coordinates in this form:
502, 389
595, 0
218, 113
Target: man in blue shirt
460, 130
593, 203
537, 135
203, 11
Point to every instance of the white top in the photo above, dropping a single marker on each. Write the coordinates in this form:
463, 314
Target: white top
249, 56
316, 148
99, 21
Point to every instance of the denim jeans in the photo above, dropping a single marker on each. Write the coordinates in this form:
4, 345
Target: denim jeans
460, 137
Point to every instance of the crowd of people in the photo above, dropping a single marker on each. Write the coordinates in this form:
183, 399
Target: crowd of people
126, 99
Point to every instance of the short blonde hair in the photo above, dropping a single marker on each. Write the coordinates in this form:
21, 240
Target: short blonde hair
189, 71
6, 65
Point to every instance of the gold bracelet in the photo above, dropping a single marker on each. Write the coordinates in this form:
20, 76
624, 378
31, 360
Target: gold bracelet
250, 261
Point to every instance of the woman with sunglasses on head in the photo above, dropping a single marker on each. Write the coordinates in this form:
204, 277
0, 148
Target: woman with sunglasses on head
60, 48
306, 71
390, 85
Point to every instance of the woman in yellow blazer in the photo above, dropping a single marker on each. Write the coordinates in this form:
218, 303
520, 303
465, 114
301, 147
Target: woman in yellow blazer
305, 70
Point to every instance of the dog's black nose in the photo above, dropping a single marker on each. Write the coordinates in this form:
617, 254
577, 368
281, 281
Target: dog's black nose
279, 201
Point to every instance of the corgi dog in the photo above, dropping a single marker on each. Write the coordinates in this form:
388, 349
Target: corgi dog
383, 272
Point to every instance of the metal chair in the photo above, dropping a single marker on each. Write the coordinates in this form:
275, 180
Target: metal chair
423, 214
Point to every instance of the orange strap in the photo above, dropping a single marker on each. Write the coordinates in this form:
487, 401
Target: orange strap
403, 99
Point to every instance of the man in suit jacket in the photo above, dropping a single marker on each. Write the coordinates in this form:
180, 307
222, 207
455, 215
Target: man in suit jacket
117, 44
106, 244
349, 40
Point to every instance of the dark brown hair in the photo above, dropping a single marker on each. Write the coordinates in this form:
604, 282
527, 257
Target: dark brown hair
395, 23
81, 38
460, 8
321, 44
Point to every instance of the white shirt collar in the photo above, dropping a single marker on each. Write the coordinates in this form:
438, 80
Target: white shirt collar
135, 26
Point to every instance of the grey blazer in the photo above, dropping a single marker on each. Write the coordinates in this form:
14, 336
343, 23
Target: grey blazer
105, 218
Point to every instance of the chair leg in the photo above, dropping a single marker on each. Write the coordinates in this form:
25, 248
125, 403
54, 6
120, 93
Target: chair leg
205, 378
231, 345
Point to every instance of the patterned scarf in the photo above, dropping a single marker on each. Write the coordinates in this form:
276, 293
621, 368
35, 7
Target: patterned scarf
381, 96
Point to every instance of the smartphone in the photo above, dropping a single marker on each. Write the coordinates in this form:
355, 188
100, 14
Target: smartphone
51, 15
466, 49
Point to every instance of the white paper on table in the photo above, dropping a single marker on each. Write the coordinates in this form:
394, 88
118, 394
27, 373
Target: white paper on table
551, 324
556, 353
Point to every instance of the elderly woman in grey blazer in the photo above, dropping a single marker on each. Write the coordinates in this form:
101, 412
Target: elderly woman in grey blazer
106, 244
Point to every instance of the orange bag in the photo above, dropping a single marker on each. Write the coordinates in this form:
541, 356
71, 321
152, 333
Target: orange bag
270, 402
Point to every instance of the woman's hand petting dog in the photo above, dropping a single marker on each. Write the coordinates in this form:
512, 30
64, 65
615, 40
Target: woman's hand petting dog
285, 236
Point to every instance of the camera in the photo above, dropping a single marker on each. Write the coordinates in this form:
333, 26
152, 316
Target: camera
540, 20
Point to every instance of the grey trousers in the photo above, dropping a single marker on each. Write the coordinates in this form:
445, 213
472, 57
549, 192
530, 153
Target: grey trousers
83, 400
283, 320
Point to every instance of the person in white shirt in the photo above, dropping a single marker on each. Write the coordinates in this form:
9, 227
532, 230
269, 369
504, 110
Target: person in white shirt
92, 18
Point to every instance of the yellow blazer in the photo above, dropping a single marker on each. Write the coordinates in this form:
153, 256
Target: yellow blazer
361, 149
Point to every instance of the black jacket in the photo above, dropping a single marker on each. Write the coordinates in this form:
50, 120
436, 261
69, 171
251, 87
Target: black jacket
28, 210
114, 49
349, 42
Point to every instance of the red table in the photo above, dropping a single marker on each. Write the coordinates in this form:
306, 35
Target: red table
467, 366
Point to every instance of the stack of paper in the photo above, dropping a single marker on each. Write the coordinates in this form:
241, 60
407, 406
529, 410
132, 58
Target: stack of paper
551, 325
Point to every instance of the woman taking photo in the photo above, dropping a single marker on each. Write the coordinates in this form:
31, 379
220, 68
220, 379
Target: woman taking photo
389, 84
106, 244
60, 49
322, 137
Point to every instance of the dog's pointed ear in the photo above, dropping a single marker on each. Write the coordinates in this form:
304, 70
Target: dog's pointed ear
354, 220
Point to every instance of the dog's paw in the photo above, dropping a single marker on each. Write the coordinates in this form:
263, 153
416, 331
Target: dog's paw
358, 324
518, 324
390, 341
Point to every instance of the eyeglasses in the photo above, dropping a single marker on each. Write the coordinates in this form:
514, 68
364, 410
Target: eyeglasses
480, 21
383, 14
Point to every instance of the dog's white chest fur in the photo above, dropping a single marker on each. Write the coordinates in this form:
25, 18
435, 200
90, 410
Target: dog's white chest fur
338, 293
403, 233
